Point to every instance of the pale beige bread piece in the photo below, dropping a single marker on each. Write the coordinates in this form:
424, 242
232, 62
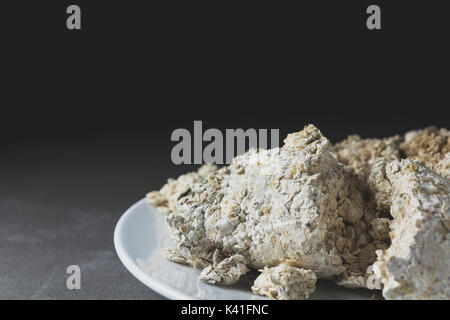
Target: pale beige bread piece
266, 206
224, 271
379, 186
285, 282
431, 146
165, 199
415, 266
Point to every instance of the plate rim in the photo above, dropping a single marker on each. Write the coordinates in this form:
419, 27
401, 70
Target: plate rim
132, 266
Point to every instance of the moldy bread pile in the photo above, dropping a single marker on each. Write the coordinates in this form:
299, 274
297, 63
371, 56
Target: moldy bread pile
312, 210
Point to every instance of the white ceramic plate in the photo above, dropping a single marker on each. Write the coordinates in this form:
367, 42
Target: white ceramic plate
141, 235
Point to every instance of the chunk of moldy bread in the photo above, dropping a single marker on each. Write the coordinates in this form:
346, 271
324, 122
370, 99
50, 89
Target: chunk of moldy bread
415, 266
292, 204
431, 146
358, 153
285, 282
166, 198
224, 270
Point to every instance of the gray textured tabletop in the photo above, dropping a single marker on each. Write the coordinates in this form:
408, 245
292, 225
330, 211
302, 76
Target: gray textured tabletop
59, 204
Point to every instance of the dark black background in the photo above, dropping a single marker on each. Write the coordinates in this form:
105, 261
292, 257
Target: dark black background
86, 116
139, 67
